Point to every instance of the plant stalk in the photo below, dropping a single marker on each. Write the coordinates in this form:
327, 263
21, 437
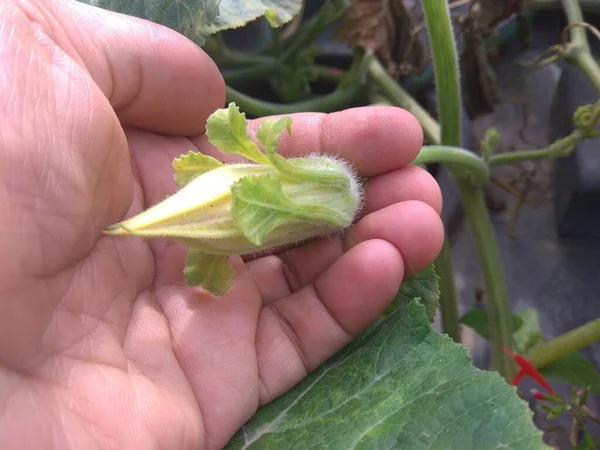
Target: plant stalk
392, 93
558, 149
398, 96
463, 163
339, 99
250, 72
445, 63
448, 307
571, 341
579, 52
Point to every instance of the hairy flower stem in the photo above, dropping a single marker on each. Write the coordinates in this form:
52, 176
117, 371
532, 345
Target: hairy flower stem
445, 63
573, 340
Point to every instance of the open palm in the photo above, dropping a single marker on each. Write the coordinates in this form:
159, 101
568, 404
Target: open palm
101, 343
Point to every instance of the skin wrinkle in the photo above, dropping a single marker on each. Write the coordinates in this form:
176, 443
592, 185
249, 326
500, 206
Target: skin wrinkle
288, 330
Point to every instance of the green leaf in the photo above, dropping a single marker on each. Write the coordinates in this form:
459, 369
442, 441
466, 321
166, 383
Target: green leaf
237, 13
402, 386
526, 327
297, 169
259, 205
574, 369
479, 321
423, 286
189, 17
198, 19
189, 166
227, 129
213, 272
529, 334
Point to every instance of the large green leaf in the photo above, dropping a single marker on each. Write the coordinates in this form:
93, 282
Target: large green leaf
198, 19
401, 386
424, 286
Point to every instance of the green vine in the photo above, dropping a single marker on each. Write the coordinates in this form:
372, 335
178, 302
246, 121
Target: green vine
543, 354
445, 63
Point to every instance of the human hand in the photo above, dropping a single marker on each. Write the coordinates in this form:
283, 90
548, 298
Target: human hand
102, 344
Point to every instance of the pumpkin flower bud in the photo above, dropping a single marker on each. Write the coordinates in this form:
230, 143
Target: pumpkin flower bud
235, 209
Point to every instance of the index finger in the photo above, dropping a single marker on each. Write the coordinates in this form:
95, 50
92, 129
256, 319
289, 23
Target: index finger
375, 139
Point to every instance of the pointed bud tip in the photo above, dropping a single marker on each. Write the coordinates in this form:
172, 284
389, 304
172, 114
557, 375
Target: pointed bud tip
115, 229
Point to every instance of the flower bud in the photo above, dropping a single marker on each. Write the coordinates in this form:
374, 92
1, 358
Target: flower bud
235, 209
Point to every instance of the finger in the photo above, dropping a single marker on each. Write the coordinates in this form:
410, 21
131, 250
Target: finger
375, 139
409, 183
299, 332
154, 77
279, 275
414, 228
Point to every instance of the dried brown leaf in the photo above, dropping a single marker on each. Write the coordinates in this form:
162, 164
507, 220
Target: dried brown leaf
388, 29
480, 92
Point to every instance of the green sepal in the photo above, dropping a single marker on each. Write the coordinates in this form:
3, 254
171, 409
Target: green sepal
227, 129
213, 272
189, 166
259, 205
268, 134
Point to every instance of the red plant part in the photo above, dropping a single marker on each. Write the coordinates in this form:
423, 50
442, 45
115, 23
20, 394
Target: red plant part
527, 368
540, 395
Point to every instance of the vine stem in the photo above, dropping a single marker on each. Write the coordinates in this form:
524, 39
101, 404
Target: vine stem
463, 163
393, 93
445, 63
578, 52
571, 341
339, 99
348, 90
558, 149
448, 304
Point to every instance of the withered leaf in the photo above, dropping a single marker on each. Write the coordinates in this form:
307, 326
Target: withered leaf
480, 92
388, 29
491, 12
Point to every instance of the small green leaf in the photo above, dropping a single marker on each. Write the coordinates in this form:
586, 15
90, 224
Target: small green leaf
526, 328
583, 397
479, 321
189, 166
554, 411
529, 334
227, 129
296, 169
259, 205
213, 272
574, 369
401, 385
